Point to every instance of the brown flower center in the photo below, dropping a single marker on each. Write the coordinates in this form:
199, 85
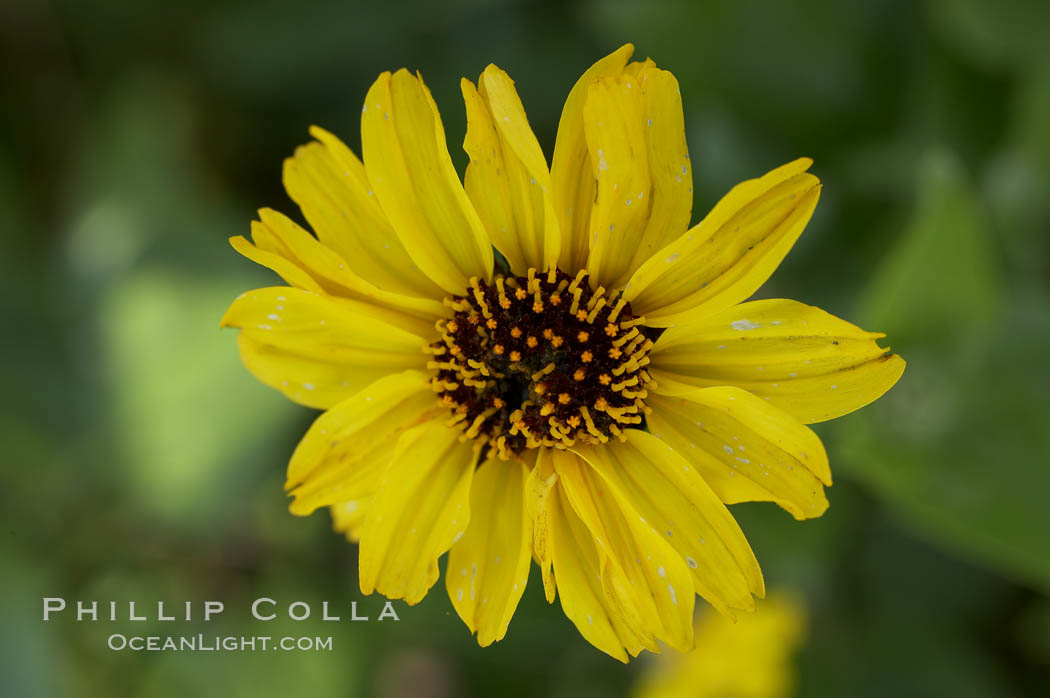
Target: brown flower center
540, 360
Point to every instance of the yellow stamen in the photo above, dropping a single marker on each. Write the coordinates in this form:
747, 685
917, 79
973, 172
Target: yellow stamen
575, 307
480, 297
596, 297
596, 309
504, 302
543, 371
622, 339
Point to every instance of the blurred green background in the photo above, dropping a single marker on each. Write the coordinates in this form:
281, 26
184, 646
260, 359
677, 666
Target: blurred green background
141, 461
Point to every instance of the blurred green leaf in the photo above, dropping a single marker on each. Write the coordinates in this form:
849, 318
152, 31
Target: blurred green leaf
186, 413
995, 33
1018, 181
28, 649
959, 446
939, 288
142, 461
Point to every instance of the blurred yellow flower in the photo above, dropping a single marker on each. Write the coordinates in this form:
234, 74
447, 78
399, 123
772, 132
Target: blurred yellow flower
751, 658
590, 398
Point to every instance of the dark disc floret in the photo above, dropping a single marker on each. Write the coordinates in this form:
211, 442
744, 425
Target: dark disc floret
540, 360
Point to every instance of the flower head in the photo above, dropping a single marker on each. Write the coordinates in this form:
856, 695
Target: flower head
750, 658
591, 397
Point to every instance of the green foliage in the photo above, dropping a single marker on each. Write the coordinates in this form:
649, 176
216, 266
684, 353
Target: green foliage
956, 446
938, 291
141, 461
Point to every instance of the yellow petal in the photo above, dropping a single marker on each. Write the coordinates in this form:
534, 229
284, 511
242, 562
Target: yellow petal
677, 503
315, 349
613, 118
487, 569
280, 242
507, 179
646, 578
745, 448
751, 657
348, 518
636, 138
408, 165
670, 169
808, 363
292, 273
577, 569
571, 170
345, 450
728, 255
493, 185
328, 182
538, 489
421, 508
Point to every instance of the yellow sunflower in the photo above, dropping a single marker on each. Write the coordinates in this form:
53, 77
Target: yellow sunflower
591, 396
751, 658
